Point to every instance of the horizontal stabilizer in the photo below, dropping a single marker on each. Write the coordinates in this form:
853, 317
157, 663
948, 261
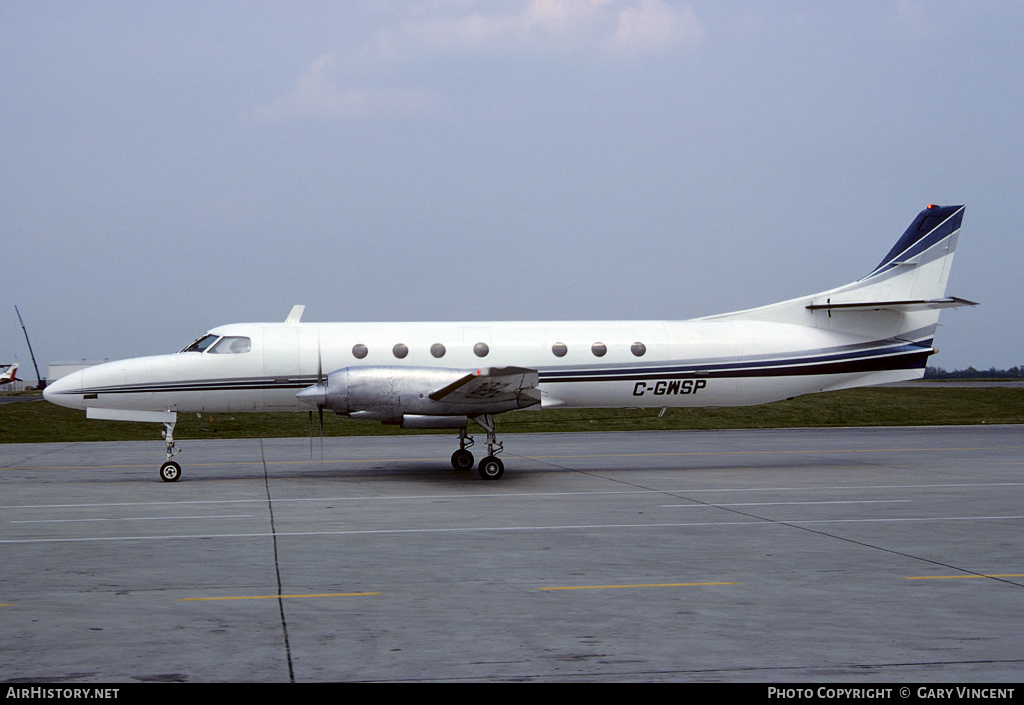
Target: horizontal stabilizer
918, 305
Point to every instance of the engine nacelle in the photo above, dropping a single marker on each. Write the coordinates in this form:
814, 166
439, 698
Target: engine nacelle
393, 394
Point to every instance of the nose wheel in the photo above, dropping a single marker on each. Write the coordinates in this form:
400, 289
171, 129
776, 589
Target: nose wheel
170, 471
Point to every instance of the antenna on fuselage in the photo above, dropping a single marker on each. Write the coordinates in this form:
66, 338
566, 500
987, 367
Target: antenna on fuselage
295, 315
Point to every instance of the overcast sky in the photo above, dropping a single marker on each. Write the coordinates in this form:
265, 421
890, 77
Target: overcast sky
172, 166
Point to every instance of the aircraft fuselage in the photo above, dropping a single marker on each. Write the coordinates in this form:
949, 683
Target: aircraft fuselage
580, 364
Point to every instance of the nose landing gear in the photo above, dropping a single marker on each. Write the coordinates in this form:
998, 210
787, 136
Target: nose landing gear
170, 471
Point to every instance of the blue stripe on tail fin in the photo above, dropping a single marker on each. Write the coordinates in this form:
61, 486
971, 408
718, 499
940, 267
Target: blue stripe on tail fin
932, 225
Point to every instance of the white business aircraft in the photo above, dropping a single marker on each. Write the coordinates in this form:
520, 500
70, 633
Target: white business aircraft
876, 330
8, 375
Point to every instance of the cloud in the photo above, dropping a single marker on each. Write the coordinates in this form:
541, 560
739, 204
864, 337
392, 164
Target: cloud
577, 30
316, 95
654, 26
580, 27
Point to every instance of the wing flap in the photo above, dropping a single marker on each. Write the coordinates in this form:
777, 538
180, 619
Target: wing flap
491, 385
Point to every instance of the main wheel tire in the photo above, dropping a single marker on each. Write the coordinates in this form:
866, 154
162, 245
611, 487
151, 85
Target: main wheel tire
462, 459
491, 468
170, 471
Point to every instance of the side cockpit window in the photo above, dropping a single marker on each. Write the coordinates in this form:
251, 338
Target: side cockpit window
231, 345
201, 344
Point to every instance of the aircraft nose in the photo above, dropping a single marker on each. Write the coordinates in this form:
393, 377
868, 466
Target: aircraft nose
66, 391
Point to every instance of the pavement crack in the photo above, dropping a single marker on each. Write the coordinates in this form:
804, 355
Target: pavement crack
277, 567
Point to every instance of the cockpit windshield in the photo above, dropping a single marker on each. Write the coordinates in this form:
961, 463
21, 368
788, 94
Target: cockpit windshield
220, 345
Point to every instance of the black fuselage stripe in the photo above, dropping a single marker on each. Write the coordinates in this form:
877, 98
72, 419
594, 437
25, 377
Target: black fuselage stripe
910, 361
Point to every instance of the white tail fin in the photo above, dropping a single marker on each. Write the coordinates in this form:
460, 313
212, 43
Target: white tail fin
8, 375
899, 300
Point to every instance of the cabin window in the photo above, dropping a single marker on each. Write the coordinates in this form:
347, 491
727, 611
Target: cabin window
231, 345
400, 350
201, 344
481, 349
638, 349
437, 350
559, 349
599, 349
359, 351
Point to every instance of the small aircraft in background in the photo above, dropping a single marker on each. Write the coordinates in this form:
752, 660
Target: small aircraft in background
8, 374
876, 330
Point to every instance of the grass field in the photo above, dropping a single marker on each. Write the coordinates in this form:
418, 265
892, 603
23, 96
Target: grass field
36, 421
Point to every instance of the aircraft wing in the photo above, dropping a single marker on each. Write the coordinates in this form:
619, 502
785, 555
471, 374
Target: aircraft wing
490, 385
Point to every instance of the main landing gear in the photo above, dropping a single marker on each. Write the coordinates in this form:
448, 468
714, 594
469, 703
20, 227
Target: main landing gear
490, 468
170, 471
